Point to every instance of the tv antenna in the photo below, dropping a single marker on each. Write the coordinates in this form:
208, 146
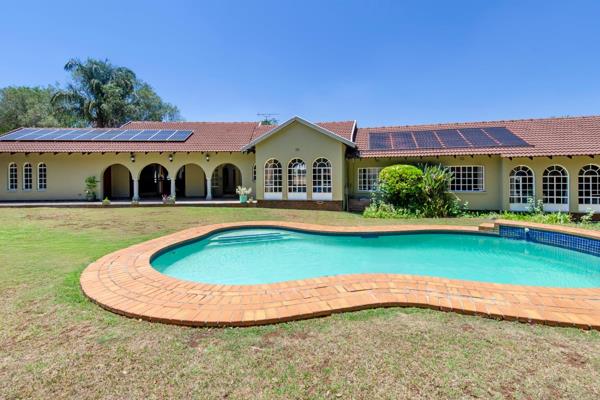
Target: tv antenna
268, 118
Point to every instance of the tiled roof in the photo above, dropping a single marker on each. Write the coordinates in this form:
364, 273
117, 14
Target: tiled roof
207, 136
547, 137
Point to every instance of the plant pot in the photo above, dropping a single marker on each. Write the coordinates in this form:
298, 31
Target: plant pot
243, 198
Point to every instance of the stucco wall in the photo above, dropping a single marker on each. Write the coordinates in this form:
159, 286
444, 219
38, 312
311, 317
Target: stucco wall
66, 173
299, 141
119, 181
194, 181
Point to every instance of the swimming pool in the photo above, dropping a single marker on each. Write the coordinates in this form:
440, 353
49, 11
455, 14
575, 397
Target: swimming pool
257, 256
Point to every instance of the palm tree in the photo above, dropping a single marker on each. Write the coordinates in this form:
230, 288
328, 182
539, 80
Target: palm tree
100, 93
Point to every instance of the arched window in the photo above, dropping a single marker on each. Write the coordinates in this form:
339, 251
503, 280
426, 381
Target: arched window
297, 177
521, 188
42, 176
321, 176
589, 187
13, 182
273, 180
27, 176
555, 188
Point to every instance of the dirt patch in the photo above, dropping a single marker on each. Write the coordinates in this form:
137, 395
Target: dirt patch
574, 359
196, 338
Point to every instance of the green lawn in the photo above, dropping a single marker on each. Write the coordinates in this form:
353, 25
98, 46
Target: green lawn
54, 343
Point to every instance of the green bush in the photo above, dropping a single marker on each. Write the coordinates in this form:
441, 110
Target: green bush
437, 201
400, 185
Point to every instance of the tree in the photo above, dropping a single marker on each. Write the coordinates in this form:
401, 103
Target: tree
30, 106
105, 95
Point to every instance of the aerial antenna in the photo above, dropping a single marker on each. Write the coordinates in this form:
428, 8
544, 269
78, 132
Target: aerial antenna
268, 118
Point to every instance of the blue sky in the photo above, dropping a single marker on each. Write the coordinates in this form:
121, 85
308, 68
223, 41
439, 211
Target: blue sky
380, 62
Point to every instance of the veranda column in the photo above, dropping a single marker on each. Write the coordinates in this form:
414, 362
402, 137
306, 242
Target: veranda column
173, 186
136, 190
208, 189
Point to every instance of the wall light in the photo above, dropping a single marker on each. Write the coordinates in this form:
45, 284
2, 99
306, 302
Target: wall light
170, 157
132, 157
207, 157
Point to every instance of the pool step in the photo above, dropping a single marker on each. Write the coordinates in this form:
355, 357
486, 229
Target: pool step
252, 238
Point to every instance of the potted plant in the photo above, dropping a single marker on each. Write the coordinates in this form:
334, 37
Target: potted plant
106, 202
168, 199
243, 192
91, 183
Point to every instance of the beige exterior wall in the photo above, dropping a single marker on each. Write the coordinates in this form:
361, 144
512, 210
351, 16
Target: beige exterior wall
299, 141
489, 199
194, 181
120, 181
67, 172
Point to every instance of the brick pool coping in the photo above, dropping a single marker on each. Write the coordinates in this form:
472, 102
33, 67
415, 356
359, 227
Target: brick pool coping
124, 282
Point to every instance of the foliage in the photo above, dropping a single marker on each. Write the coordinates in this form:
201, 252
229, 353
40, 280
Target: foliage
168, 199
406, 191
30, 106
106, 201
105, 95
400, 185
91, 184
269, 121
436, 200
243, 191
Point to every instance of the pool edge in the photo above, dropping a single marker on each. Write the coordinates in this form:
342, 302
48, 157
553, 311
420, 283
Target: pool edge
125, 283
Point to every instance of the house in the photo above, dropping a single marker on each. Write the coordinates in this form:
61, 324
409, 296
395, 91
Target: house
497, 165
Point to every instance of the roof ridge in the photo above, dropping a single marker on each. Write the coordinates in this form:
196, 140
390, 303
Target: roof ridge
195, 122
484, 122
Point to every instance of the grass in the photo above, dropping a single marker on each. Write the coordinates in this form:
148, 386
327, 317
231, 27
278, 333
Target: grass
54, 343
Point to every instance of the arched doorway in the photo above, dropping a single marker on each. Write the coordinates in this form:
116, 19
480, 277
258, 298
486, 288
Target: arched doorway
154, 182
190, 182
225, 179
117, 183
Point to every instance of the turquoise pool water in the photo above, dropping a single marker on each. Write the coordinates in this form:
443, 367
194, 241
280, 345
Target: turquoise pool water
254, 256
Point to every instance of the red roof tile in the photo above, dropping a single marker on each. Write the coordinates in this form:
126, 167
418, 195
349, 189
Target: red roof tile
547, 137
207, 136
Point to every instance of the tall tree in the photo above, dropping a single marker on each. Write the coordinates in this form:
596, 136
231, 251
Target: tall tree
105, 95
30, 106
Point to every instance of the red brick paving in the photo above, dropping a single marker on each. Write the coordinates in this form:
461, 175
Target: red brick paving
124, 282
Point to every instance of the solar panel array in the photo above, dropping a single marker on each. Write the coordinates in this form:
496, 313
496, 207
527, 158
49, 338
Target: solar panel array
96, 135
445, 139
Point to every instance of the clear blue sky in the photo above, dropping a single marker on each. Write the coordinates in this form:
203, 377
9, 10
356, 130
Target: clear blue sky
380, 62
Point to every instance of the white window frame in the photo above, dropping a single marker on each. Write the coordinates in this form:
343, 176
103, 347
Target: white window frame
12, 183
296, 179
273, 180
27, 177
588, 188
367, 178
516, 189
42, 178
552, 200
472, 176
322, 179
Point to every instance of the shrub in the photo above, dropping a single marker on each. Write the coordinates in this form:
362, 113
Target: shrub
400, 185
91, 183
437, 201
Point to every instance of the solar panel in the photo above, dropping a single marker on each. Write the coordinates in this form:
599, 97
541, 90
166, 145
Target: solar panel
505, 137
478, 138
97, 135
427, 140
464, 138
380, 141
403, 140
451, 138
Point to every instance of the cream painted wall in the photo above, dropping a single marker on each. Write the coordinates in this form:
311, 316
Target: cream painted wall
194, 181
299, 141
119, 181
489, 199
67, 173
